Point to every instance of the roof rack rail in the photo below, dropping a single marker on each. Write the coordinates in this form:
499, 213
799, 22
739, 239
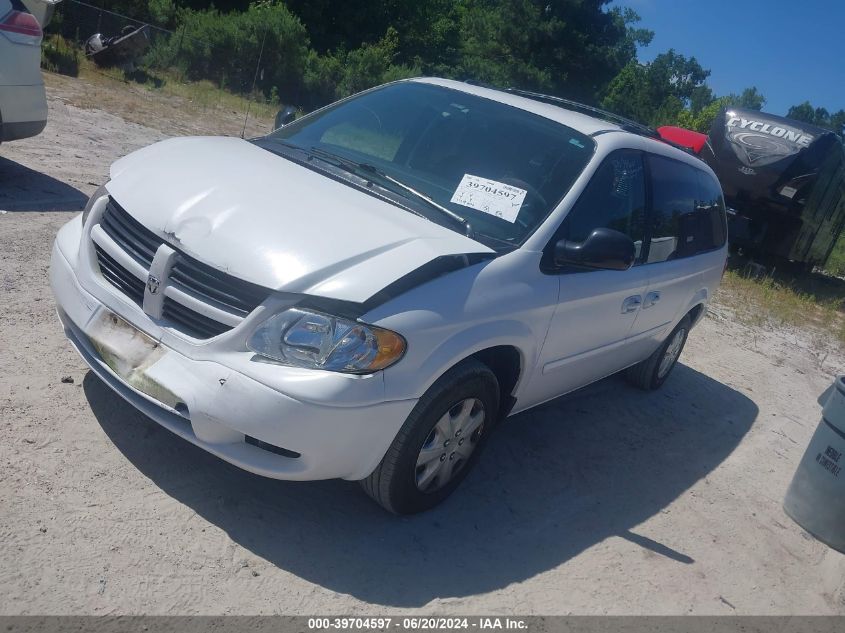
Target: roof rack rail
480, 84
626, 124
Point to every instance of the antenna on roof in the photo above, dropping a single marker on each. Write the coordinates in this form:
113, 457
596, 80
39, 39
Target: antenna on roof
255, 78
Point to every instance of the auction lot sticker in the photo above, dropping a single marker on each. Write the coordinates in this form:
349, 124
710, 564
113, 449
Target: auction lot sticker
489, 196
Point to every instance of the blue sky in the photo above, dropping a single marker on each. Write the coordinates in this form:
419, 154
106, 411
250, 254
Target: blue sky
792, 51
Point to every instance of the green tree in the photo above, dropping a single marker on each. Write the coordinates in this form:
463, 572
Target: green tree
818, 116
750, 98
568, 47
837, 122
226, 48
157, 12
428, 29
339, 74
802, 112
372, 64
701, 97
656, 93
701, 119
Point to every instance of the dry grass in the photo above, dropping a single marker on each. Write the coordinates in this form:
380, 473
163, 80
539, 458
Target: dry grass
200, 95
768, 301
173, 108
199, 98
836, 262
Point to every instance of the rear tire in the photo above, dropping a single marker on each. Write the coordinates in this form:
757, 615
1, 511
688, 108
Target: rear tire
439, 442
651, 373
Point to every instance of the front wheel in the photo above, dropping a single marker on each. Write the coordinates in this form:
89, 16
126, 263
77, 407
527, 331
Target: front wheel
651, 373
439, 442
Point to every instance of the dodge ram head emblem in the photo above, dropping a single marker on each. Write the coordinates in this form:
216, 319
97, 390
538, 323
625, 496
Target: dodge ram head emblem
152, 284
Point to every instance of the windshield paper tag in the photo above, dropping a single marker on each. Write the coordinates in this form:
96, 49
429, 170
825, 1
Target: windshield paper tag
489, 196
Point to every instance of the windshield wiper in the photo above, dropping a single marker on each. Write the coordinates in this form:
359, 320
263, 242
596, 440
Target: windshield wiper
358, 167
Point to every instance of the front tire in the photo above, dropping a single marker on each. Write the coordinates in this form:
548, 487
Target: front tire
439, 442
651, 373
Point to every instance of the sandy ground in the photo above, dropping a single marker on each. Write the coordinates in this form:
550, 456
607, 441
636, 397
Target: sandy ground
608, 501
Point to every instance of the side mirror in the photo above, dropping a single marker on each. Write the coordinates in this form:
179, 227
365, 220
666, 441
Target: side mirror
604, 249
284, 116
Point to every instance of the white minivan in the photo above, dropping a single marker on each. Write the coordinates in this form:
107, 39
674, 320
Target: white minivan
365, 292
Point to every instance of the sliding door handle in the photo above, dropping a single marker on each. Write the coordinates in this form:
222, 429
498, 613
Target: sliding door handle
650, 299
631, 304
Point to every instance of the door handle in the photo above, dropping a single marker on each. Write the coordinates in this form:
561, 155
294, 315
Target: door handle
631, 304
650, 299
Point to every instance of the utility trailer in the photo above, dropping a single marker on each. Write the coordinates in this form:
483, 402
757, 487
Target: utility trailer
783, 180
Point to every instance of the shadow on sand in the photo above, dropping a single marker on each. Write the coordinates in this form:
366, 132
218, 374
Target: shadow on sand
24, 189
553, 482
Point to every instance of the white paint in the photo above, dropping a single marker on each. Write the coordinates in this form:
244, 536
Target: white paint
273, 222
22, 95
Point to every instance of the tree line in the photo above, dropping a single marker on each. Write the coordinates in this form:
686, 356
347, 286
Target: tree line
316, 51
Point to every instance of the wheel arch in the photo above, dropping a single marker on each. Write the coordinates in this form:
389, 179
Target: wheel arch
500, 344
696, 307
507, 364
696, 313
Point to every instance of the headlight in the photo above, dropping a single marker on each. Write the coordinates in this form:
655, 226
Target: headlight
302, 338
101, 191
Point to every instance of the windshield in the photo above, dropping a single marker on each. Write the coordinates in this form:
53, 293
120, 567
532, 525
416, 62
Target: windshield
500, 168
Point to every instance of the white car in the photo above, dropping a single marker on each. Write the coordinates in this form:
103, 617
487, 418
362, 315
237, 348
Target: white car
364, 293
23, 102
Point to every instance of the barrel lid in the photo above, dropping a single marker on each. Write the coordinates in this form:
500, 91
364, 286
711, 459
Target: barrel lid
834, 410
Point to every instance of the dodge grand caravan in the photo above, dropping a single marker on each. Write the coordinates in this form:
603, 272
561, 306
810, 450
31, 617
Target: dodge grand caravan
365, 292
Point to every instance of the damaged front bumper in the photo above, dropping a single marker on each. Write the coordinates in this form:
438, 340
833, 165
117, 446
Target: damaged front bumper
275, 421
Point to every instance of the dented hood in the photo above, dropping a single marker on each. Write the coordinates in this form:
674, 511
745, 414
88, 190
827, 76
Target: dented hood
265, 219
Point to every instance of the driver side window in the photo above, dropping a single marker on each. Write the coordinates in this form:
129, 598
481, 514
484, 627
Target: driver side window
614, 199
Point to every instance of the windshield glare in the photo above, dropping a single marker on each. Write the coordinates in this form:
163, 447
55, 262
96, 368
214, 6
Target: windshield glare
501, 168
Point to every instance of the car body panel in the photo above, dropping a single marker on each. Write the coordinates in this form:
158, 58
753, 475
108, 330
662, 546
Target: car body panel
590, 305
505, 301
254, 215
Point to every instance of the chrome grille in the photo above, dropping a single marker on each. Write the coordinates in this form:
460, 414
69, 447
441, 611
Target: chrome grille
208, 285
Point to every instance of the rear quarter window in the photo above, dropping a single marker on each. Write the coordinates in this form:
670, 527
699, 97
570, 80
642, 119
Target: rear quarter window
687, 211
711, 208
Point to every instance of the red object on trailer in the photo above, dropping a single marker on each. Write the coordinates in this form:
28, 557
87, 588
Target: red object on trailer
681, 136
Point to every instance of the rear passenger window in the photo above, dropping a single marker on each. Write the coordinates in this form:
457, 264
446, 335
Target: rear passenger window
687, 211
714, 229
613, 199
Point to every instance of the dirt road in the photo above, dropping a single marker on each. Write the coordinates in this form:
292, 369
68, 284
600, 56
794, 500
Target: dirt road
608, 501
